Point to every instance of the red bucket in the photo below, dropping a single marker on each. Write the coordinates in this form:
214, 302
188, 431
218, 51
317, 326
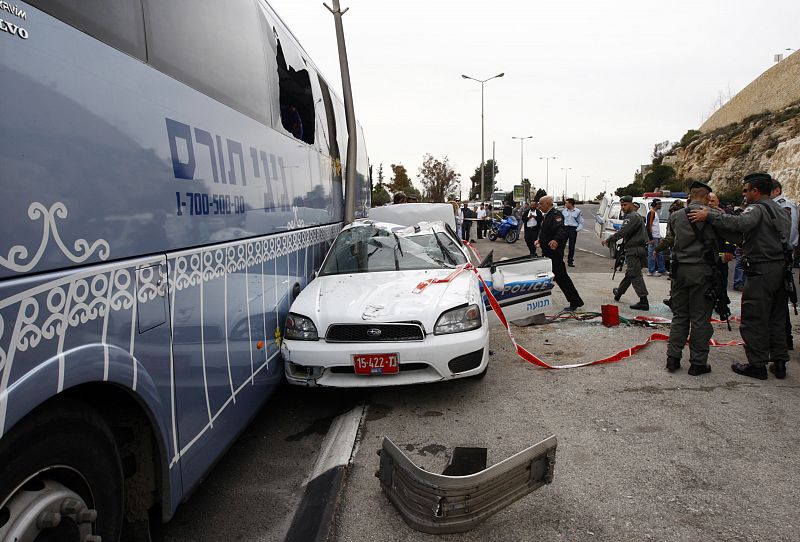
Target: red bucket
610, 315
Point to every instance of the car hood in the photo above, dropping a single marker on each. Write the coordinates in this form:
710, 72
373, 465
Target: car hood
384, 297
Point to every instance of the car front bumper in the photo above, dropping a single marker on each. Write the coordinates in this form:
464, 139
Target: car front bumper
437, 357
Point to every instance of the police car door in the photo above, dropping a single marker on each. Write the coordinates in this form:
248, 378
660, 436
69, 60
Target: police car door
521, 286
600, 216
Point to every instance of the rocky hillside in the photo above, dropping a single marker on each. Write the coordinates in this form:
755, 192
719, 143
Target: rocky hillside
766, 142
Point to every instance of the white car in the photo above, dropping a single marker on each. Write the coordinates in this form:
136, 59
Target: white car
396, 304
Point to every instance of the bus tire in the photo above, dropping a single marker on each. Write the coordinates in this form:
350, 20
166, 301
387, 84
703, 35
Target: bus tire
63, 449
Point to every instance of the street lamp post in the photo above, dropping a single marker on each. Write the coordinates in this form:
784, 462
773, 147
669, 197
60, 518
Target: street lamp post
547, 171
566, 172
482, 82
584, 185
521, 156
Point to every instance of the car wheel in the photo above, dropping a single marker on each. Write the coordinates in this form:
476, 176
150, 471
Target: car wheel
62, 477
512, 236
481, 374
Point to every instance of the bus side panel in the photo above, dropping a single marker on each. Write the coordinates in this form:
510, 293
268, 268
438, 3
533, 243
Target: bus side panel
101, 142
62, 330
228, 305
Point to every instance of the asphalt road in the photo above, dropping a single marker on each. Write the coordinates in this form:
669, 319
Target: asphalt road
643, 454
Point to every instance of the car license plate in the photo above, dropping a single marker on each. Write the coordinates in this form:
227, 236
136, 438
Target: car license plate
376, 364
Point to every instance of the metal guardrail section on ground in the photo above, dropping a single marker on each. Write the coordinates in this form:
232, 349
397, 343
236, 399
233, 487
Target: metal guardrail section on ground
440, 504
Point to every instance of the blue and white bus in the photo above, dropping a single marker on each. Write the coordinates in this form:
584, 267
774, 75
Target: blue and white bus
170, 176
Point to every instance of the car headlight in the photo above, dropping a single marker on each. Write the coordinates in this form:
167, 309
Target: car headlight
459, 319
300, 328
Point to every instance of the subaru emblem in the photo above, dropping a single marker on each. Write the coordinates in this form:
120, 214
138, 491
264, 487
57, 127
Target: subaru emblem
374, 332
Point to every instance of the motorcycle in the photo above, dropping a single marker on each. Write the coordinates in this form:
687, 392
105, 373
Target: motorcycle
507, 229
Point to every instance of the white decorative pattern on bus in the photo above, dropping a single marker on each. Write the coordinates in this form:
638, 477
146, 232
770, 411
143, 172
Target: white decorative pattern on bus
83, 249
84, 296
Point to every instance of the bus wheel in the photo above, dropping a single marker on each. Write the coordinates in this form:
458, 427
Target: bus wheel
62, 477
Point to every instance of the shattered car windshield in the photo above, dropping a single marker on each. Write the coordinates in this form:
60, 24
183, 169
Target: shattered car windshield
365, 249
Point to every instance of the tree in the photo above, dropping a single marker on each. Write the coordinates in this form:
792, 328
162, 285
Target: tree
659, 150
488, 180
438, 178
600, 196
658, 176
632, 189
400, 181
380, 173
539, 194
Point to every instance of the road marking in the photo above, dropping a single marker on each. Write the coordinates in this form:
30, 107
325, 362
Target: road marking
591, 252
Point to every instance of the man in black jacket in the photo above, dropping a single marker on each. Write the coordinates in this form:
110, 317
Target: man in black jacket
552, 239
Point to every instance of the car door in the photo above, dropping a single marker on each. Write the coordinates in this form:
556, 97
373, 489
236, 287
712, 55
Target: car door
600, 216
521, 286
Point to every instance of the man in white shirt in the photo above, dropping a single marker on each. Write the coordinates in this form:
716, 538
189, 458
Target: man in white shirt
532, 222
482, 221
573, 222
790, 207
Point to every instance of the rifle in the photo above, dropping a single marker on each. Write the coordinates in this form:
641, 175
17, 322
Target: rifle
619, 263
718, 293
788, 279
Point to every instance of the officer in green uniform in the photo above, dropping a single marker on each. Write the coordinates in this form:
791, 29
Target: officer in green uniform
633, 235
692, 275
764, 229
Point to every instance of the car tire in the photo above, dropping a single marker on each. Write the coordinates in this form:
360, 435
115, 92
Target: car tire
64, 447
512, 236
481, 374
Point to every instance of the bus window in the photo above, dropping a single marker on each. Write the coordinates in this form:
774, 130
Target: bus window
297, 100
221, 56
331, 144
118, 23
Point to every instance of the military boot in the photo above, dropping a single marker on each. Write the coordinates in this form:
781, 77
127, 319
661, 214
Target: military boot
750, 370
673, 364
617, 295
642, 305
778, 368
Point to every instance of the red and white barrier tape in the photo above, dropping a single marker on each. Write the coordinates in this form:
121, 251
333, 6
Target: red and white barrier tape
531, 358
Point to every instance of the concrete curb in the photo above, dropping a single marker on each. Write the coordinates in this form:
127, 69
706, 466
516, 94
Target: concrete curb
314, 516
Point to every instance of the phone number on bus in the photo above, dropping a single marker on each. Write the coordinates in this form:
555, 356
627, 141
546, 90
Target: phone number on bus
198, 203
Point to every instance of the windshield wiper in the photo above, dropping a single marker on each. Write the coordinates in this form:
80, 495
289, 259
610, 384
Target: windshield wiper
397, 246
444, 250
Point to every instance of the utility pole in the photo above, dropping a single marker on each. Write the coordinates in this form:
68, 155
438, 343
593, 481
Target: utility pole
349, 115
547, 162
566, 172
584, 186
521, 156
493, 169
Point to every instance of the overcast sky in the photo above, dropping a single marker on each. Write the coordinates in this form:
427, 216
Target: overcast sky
595, 82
